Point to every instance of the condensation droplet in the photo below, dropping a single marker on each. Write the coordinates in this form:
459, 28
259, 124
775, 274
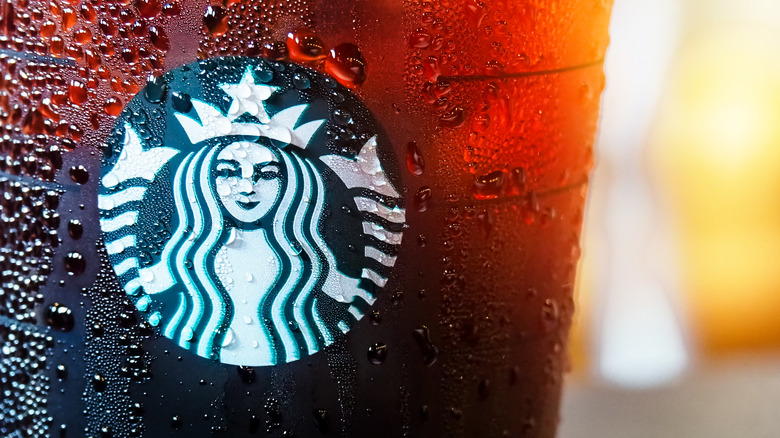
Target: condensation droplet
75, 263
77, 92
79, 174
347, 65
550, 315
148, 8
215, 20
321, 419
59, 317
159, 38
99, 383
377, 353
181, 101
489, 186
430, 351
113, 106
453, 118
301, 81
304, 46
422, 199
414, 160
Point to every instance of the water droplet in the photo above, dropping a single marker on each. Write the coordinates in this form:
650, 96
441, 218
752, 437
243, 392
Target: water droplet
431, 69
88, 12
143, 303
187, 334
481, 122
59, 317
430, 351
148, 8
420, 39
155, 90
33, 123
321, 418
48, 28
171, 9
79, 174
75, 263
181, 101
275, 51
414, 160
515, 182
97, 330
159, 38
264, 74
550, 315
155, 319
305, 46
254, 423
342, 117
453, 118
69, 18
77, 92
176, 422
215, 20
493, 68
489, 186
75, 229
301, 81
422, 199
347, 65
113, 106
99, 383
62, 372
108, 28
485, 220
377, 353
475, 12
425, 412
82, 36
296, 247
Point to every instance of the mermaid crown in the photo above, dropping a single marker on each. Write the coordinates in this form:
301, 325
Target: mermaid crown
248, 98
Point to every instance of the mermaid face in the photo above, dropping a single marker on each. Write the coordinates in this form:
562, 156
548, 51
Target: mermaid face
248, 180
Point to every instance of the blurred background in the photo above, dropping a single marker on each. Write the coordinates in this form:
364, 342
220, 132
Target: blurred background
678, 328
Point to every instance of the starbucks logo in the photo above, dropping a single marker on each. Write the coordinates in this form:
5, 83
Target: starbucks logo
250, 209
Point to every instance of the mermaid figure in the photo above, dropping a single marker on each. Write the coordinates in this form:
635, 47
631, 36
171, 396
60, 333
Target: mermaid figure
253, 280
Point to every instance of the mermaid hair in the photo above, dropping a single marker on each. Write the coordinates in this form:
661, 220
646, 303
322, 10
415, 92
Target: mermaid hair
205, 310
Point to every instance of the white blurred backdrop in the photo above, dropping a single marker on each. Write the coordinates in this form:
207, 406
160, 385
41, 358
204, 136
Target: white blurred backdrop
678, 328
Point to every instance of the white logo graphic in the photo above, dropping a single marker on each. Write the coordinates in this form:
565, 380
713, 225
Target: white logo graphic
244, 272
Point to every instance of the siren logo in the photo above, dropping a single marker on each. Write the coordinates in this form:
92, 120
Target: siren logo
250, 209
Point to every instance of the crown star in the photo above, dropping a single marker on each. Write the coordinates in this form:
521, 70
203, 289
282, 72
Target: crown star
248, 97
